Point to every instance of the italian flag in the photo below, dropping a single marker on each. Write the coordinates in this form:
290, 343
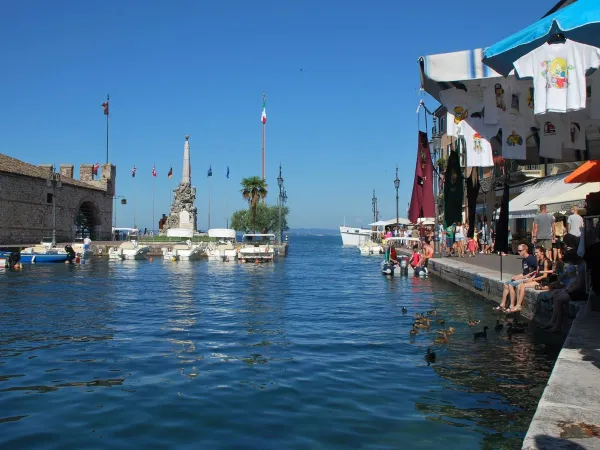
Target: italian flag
263, 116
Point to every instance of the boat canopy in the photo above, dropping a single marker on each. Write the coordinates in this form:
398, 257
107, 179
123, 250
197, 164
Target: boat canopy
221, 233
180, 232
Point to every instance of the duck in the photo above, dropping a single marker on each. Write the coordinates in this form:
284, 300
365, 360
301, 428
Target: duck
433, 312
404, 310
473, 322
451, 330
498, 326
441, 321
424, 325
419, 316
414, 331
430, 356
481, 334
442, 339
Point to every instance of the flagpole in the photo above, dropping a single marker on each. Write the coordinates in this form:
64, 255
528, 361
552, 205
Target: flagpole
227, 203
264, 124
209, 182
107, 99
153, 178
134, 225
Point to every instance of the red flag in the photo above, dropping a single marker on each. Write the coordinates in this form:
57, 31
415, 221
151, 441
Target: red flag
105, 107
153, 171
422, 203
95, 168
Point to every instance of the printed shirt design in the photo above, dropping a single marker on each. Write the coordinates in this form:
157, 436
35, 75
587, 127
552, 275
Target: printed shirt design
477, 143
514, 139
556, 73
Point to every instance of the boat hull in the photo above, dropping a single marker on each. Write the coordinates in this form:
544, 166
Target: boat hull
354, 237
38, 258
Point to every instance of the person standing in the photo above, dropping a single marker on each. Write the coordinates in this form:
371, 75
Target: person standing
542, 234
575, 223
449, 239
559, 232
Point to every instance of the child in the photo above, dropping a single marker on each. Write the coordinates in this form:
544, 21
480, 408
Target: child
471, 247
415, 259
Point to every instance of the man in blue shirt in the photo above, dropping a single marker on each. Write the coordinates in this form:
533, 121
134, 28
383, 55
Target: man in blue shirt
529, 264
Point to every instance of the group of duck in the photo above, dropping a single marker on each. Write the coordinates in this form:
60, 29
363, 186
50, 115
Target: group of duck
423, 321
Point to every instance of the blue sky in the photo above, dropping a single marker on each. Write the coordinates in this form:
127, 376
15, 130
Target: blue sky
341, 78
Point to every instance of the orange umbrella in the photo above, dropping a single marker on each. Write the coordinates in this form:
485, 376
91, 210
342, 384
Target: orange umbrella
587, 173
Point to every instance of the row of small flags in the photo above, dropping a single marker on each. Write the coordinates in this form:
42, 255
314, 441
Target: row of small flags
154, 174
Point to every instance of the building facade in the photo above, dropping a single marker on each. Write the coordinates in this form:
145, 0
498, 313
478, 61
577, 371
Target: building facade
84, 207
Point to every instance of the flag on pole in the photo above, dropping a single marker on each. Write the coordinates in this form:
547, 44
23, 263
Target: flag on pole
228, 171
263, 116
133, 172
170, 174
209, 172
95, 169
153, 171
105, 107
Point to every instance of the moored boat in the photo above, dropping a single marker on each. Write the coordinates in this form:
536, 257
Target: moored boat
224, 248
257, 248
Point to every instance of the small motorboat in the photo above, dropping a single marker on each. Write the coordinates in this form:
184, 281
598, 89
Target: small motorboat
257, 248
224, 247
184, 252
130, 249
387, 267
42, 253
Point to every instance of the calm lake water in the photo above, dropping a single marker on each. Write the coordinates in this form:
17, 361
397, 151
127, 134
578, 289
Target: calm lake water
311, 352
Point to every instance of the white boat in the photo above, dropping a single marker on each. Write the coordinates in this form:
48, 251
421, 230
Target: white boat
185, 252
371, 248
257, 248
224, 248
130, 249
354, 237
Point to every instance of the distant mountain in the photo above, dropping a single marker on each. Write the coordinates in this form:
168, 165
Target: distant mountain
312, 231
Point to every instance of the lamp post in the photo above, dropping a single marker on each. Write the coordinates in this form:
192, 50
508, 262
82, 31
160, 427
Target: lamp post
115, 208
436, 139
397, 186
280, 201
54, 182
374, 204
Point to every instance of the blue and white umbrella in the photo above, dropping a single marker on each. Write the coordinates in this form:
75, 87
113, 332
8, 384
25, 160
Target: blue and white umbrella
579, 22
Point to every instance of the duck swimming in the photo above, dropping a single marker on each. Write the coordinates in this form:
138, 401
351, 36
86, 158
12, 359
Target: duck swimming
498, 326
481, 334
441, 321
442, 339
510, 330
430, 356
473, 322
414, 331
404, 310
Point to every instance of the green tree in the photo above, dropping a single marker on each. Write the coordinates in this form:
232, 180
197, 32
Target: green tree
266, 220
253, 190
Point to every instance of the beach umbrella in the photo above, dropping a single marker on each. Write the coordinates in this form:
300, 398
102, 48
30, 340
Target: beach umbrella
586, 173
579, 22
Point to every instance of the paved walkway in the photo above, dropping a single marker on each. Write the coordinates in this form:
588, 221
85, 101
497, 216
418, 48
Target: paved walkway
509, 264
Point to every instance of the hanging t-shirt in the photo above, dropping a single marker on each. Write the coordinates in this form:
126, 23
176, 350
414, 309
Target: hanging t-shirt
458, 103
552, 135
494, 100
558, 72
477, 139
514, 136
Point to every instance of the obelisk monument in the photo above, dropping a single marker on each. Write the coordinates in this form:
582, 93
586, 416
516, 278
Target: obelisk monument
183, 214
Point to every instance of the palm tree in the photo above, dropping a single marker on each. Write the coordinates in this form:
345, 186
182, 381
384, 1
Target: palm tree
253, 190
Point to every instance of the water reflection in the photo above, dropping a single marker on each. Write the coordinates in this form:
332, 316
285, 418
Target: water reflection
131, 349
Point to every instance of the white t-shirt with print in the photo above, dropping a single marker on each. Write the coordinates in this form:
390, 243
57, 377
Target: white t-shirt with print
459, 104
477, 139
558, 72
514, 136
495, 101
552, 134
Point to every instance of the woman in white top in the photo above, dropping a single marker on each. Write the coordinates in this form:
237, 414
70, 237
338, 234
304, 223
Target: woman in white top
459, 238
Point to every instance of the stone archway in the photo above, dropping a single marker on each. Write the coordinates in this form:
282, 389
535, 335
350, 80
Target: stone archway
87, 220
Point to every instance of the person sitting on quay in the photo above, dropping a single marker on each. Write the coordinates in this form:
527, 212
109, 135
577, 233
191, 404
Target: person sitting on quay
543, 231
544, 265
569, 286
529, 265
